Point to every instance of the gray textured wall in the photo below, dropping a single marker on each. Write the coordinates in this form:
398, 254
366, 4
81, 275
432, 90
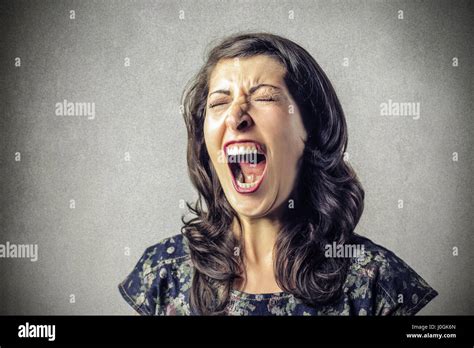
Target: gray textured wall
121, 203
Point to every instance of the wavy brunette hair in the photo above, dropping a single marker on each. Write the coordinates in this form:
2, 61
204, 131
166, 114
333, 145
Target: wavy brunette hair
328, 197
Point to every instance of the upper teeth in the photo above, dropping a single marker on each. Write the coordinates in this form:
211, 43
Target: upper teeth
234, 150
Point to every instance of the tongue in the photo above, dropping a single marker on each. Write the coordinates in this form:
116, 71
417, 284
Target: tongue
255, 169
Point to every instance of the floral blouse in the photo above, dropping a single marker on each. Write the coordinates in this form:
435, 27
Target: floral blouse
377, 283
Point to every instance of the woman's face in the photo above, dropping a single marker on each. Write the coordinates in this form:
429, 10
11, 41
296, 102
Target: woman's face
254, 134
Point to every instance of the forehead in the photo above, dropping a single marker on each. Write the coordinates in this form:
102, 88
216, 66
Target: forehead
246, 71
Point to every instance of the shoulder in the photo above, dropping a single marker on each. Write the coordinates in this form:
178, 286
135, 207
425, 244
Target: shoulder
169, 250
381, 283
159, 280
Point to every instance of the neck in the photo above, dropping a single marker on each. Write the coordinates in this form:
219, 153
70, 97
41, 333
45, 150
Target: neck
259, 236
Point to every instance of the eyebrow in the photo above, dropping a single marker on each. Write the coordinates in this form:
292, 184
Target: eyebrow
251, 90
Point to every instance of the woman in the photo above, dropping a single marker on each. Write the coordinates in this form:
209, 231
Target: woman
273, 226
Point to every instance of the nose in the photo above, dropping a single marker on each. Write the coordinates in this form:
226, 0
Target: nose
238, 119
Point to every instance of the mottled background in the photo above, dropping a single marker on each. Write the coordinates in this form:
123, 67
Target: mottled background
123, 205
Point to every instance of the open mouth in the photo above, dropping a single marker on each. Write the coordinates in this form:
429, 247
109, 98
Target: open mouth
247, 162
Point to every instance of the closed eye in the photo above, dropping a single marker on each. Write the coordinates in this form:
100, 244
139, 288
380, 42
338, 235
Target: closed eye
259, 99
265, 99
213, 105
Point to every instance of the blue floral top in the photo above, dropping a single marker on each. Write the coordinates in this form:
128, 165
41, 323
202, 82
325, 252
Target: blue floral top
377, 283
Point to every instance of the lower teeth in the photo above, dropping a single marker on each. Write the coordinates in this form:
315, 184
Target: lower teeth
244, 185
249, 178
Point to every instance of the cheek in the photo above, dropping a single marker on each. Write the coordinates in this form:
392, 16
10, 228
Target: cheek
213, 134
287, 135
287, 146
295, 134
207, 132
207, 138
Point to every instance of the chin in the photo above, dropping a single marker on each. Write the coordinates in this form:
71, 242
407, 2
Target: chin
250, 211
252, 206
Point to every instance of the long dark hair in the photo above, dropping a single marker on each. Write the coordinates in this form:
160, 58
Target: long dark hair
328, 198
